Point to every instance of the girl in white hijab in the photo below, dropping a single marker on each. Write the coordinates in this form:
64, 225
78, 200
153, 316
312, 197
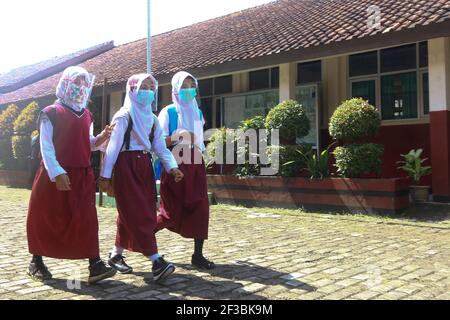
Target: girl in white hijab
184, 207
62, 218
137, 133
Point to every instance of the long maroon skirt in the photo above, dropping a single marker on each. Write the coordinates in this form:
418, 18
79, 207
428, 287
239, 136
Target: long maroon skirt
184, 207
135, 192
63, 224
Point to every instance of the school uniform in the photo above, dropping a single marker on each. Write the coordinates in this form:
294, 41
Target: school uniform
184, 206
134, 180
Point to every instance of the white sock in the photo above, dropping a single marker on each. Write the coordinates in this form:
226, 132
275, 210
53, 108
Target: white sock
155, 257
116, 251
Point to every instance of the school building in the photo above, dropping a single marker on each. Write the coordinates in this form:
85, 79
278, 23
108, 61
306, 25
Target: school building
396, 54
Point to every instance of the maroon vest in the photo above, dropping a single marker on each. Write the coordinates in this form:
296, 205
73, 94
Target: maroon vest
71, 137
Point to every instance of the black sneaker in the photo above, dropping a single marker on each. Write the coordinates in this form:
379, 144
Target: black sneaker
100, 271
39, 271
202, 263
118, 263
162, 269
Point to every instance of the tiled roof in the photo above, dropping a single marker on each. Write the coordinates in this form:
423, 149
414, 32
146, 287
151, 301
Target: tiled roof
267, 30
23, 76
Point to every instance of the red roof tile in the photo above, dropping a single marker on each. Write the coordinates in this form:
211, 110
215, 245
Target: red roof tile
274, 28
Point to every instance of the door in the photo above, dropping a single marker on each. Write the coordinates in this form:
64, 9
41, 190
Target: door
308, 97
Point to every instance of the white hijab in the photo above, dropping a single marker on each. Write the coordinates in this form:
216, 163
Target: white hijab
188, 112
141, 115
63, 89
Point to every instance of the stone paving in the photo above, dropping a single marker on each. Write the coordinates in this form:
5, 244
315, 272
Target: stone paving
260, 254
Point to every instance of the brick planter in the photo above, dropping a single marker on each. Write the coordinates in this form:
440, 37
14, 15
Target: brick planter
15, 178
331, 194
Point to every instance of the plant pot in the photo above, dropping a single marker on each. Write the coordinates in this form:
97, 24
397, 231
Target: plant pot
419, 193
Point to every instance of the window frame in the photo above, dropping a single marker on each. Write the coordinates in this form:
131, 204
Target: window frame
419, 90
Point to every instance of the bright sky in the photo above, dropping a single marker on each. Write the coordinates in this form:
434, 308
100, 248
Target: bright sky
36, 30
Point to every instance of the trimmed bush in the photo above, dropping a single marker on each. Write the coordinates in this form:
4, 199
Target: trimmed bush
355, 160
7, 118
247, 169
290, 118
24, 126
354, 120
216, 141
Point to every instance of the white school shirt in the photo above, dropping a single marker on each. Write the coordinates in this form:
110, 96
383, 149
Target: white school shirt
48, 153
158, 146
164, 121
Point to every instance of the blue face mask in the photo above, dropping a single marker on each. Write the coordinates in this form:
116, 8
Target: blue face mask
146, 97
188, 94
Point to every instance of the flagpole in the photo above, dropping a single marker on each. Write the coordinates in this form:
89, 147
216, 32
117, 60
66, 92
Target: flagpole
149, 40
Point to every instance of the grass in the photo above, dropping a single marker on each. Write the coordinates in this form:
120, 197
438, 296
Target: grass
9, 194
422, 215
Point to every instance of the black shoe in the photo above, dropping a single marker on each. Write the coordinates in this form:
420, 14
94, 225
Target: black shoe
202, 263
39, 271
162, 269
100, 271
118, 263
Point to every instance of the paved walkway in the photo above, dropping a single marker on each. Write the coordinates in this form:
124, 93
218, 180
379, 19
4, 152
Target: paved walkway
260, 253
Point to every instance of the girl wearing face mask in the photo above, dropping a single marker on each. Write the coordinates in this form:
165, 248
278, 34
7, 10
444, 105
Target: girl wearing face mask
137, 132
62, 218
184, 207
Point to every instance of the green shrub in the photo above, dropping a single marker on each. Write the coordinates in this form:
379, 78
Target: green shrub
355, 160
290, 118
24, 126
7, 118
354, 120
291, 163
246, 169
219, 140
317, 165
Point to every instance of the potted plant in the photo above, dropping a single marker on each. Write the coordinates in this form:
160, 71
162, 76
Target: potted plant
413, 166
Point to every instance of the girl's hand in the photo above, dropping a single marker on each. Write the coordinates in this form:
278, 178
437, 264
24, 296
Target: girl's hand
105, 134
105, 185
63, 182
177, 174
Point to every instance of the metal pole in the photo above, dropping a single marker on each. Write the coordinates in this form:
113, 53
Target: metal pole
104, 120
149, 40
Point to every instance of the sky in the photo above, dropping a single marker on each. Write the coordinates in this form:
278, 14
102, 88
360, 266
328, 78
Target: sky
36, 30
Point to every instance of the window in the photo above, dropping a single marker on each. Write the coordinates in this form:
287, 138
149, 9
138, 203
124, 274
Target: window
223, 85
275, 77
425, 93
363, 64
259, 79
241, 107
394, 79
309, 72
398, 59
205, 87
206, 105
423, 54
365, 89
399, 96
264, 79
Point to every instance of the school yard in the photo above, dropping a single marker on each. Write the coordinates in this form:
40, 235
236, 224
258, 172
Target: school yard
260, 253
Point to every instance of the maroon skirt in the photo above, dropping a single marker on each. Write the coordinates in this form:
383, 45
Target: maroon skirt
63, 224
135, 192
184, 207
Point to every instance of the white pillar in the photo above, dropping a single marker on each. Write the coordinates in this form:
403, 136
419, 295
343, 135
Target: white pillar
439, 73
115, 103
288, 77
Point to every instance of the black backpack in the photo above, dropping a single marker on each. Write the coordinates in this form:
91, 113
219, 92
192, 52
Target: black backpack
35, 154
127, 137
